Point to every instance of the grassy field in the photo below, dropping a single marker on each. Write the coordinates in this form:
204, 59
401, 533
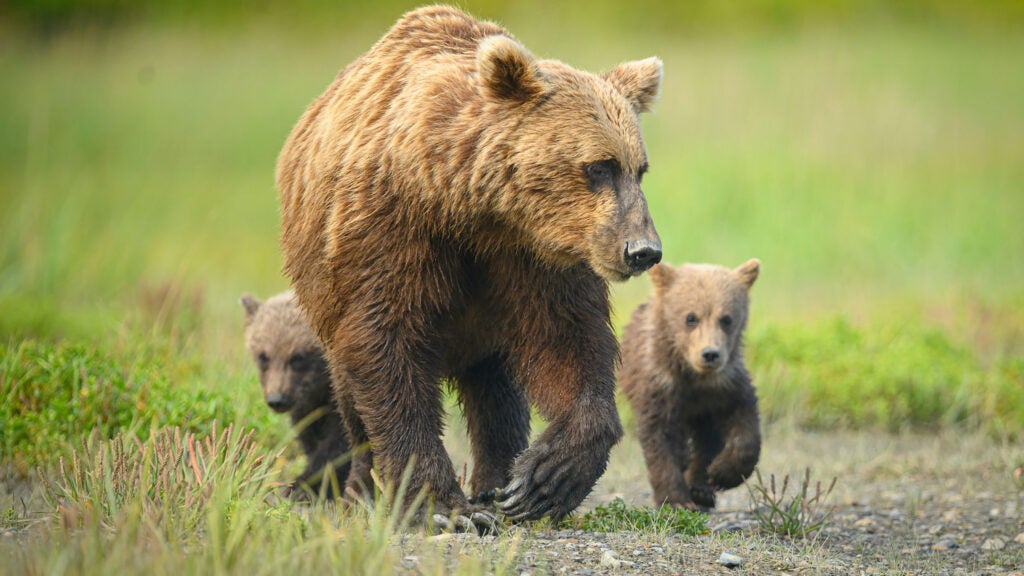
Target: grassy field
875, 169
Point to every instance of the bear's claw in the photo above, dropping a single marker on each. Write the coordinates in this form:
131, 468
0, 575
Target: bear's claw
481, 522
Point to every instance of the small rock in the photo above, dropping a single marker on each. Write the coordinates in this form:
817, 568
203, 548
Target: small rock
610, 559
866, 524
410, 562
730, 560
1019, 538
945, 544
994, 543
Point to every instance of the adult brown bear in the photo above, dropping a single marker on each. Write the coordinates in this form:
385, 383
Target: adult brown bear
453, 209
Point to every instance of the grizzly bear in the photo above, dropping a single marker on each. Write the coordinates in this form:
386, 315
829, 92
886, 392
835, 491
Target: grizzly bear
296, 380
682, 370
452, 211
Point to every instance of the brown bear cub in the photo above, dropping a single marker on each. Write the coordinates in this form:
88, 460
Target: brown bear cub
683, 372
453, 209
296, 380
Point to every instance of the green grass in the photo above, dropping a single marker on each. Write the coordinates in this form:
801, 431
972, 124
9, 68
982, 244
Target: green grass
888, 375
53, 393
617, 516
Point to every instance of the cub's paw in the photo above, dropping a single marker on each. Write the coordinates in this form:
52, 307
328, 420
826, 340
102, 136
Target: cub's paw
703, 496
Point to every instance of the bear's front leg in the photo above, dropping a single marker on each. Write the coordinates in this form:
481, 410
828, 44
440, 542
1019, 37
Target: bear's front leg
741, 432
564, 352
554, 475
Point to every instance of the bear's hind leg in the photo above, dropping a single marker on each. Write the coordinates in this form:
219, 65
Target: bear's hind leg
666, 453
707, 442
498, 421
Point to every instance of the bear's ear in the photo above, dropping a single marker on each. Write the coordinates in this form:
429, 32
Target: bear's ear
250, 304
508, 71
638, 81
661, 276
748, 272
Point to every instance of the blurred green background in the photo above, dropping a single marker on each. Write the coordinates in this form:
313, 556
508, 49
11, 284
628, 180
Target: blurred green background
870, 153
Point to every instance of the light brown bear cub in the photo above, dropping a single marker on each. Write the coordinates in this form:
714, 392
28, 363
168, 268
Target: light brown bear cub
683, 372
296, 380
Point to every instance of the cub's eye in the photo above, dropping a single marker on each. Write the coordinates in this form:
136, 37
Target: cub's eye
298, 362
602, 173
726, 322
691, 320
263, 361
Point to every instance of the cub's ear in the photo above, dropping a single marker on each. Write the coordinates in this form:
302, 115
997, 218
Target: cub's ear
508, 71
638, 81
748, 272
250, 304
661, 276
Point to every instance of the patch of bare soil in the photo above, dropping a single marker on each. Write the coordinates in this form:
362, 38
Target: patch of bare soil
902, 504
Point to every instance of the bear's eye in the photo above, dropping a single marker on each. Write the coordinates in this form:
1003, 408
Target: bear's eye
602, 173
298, 362
726, 322
691, 320
263, 361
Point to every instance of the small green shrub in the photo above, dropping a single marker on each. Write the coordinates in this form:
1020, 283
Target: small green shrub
804, 514
618, 516
51, 394
893, 376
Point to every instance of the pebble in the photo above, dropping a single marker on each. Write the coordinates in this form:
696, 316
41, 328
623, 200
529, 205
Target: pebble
995, 543
1019, 539
730, 560
610, 559
945, 544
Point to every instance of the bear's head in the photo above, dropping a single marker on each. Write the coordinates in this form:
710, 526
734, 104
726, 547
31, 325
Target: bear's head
572, 156
702, 311
286, 351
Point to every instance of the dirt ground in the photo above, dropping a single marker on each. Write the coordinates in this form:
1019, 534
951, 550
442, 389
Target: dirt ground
903, 504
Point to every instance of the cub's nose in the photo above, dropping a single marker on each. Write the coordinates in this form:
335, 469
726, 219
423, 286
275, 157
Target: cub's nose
710, 355
642, 254
278, 402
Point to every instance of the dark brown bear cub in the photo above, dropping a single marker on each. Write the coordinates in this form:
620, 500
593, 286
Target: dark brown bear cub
296, 380
683, 372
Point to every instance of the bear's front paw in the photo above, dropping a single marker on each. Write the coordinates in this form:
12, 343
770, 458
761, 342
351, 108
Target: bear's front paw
548, 482
703, 496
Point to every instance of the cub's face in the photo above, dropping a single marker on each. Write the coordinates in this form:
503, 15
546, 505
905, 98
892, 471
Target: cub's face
286, 353
704, 309
574, 157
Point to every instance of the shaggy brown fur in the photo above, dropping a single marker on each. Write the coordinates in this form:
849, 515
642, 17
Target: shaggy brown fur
296, 380
453, 208
683, 372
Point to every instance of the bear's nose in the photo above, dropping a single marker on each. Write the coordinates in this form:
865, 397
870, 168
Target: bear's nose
642, 254
278, 402
710, 355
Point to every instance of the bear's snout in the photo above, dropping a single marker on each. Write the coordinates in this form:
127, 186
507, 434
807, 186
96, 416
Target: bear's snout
710, 355
278, 402
640, 255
